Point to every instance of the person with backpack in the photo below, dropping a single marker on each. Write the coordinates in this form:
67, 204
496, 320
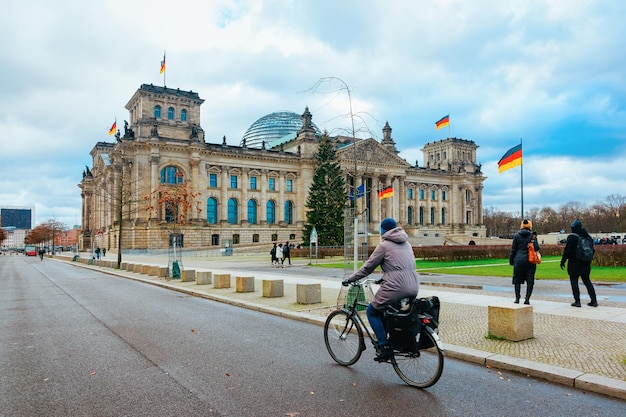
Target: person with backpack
578, 254
273, 254
523, 270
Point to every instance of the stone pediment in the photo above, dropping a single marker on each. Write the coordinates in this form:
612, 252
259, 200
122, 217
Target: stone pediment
370, 151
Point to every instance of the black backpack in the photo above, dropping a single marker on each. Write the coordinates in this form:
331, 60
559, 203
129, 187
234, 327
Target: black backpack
584, 248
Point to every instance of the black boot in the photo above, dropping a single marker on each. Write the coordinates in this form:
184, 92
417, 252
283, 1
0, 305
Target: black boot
576, 303
518, 290
592, 303
529, 292
385, 353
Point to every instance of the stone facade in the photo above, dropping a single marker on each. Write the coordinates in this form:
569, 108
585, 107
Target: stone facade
163, 179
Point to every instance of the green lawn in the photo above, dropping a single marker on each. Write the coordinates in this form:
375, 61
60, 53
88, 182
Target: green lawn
548, 269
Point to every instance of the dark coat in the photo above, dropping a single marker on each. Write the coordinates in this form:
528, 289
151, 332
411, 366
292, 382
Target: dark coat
396, 259
575, 267
518, 257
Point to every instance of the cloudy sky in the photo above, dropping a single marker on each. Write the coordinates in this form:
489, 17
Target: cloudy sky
549, 72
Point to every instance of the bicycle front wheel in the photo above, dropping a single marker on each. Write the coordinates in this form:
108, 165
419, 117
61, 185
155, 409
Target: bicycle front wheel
343, 337
423, 368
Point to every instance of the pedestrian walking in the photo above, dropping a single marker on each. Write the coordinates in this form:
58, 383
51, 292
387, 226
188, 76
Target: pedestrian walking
579, 265
273, 254
279, 255
104, 252
287, 252
523, 270
98, 252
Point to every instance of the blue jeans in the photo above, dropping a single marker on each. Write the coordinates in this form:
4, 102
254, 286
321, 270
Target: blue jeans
375, 318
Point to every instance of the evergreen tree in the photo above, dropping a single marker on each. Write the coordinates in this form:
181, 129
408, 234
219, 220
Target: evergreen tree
327, 197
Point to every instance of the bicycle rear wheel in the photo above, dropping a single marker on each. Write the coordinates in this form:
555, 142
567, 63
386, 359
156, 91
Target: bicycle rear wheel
343, 337
422, 369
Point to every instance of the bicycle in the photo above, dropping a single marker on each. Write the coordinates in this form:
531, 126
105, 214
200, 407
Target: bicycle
344, 337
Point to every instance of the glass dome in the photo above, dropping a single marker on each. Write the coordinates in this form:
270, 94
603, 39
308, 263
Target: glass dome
272, 128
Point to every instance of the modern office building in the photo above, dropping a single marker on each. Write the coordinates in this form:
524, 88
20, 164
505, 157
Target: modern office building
165, 180
22, 218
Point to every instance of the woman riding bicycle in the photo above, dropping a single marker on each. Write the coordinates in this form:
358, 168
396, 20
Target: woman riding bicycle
396, 259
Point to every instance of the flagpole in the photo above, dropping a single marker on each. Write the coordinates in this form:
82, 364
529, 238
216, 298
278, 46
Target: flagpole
522, 177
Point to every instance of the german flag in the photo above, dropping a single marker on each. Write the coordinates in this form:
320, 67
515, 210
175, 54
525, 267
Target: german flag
162, 64
511, 159
385, 192
443, 122
113, 128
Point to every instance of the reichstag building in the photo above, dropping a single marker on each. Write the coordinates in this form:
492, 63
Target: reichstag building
167, 183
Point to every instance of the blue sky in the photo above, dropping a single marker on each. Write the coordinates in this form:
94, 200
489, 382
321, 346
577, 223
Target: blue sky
552, 72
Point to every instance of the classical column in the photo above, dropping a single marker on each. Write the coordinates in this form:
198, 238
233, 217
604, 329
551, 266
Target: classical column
154, 182
281, 197
263, 203
225, 181
245, 185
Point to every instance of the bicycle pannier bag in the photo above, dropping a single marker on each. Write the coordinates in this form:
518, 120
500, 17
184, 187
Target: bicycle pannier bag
430, 306
403, 327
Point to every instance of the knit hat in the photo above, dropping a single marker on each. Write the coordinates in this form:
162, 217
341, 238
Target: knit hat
387, 224
577, 224
526, 224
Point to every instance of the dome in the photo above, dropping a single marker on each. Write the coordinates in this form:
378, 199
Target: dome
272, 128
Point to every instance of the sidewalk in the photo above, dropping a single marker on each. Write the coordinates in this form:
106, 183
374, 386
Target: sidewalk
581, 347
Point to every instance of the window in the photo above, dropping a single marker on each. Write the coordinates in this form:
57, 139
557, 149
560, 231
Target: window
432, 215
292, 236
421, 216
157, 112
289, 185
443, 216
233, 215
271, 184
468, 196
410, 193
409, 215
271, 212
443, 195
255, 238
421, 194
215, 239
274, 237
252, 211
253, 183
433, 194
213, 180
170, 212
211, 211
171, 175
236, 239
233, 181
183, 115
170, 113
288, 212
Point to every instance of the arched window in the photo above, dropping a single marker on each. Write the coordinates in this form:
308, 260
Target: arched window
252, 211
409, 215
288, 212
183, 115
170, 113
271, 212
171, 175
233, 212
432, 215
211, 210
421, 216
157, 112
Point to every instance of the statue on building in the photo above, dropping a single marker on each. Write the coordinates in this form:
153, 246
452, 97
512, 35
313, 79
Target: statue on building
263, 145
243, 143
128, 131
154, 132
194, 132
117, 135
224, 141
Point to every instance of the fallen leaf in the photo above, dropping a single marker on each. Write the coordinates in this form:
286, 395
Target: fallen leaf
92, 373
193, 330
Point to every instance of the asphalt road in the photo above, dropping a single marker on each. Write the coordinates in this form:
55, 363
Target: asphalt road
76, 342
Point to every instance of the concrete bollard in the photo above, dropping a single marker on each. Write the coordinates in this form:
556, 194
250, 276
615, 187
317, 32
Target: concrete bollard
204, 277
308, 293
221, 281
273, 288
244, 284
512, 322
187, 275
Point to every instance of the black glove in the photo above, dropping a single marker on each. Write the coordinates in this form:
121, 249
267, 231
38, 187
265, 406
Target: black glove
379, 281
562, 265
345, 282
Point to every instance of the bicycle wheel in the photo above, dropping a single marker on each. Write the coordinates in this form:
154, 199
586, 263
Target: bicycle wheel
343, 337
422, 369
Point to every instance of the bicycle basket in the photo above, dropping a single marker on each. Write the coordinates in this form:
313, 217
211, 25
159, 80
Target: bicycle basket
363, 292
